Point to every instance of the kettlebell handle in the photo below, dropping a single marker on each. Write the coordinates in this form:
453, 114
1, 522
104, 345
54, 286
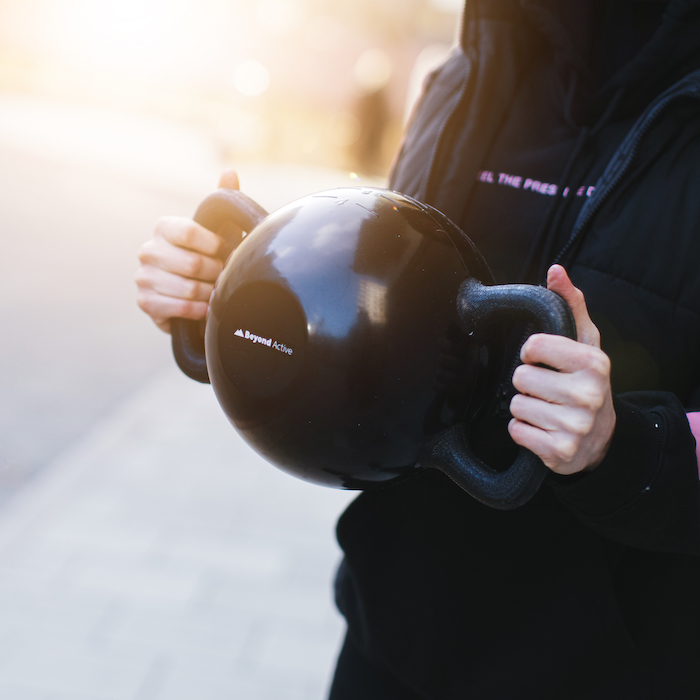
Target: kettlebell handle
220, 207
478, 306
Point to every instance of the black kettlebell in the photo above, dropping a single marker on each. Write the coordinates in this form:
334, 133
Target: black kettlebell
348, 340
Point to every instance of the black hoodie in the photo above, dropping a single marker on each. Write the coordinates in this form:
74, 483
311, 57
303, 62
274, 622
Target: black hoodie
591, 589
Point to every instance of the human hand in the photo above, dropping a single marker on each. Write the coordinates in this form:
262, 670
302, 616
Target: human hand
179, 267
564, 415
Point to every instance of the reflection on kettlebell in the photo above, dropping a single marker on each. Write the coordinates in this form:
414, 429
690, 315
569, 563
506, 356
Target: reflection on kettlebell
348, 340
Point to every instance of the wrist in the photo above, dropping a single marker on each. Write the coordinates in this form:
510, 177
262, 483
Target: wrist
626, 468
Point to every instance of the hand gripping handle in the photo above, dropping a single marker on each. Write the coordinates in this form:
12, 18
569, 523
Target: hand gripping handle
223, 206
478, 306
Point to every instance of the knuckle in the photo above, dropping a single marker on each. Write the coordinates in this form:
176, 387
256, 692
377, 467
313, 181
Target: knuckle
140, 277
519, 376
602, 364
178, 231
597, 361
160, 225
145, 302
143, 277
193, 265
517, 429
596, 401
179, 236
537, 341
590, 397
592, 404
165, 227
145, 253
190, 309
566, 450
182, 308
517, 403
191, 289
532, 347
582, 425
142, 302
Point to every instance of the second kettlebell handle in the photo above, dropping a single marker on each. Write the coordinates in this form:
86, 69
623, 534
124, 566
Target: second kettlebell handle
480, 306
221, 207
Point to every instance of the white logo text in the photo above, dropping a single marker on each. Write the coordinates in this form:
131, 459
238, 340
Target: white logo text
247, 335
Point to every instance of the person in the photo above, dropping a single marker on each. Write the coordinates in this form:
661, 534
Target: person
564, 138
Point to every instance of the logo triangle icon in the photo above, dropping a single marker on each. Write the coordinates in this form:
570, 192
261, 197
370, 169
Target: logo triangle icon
239, 333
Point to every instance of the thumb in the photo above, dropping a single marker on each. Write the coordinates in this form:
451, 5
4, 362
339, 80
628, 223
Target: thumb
229, 233
229, 180
558, 281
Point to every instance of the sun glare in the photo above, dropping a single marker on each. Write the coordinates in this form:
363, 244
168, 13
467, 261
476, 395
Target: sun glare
279, 16
251, 78
123, 34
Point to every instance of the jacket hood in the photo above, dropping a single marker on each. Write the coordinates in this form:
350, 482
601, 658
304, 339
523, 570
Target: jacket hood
629, 50
671, 53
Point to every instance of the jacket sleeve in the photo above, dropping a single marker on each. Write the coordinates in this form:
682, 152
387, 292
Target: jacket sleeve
646, 492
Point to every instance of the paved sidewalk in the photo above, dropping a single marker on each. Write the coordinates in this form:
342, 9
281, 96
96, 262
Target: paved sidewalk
158, 558
161, 559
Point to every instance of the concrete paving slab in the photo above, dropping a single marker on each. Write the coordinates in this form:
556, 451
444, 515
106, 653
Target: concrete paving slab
161, 558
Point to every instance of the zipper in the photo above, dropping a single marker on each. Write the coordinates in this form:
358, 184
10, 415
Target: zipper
622, 163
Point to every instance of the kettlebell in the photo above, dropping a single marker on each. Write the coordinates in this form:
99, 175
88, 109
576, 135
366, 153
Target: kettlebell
350, 340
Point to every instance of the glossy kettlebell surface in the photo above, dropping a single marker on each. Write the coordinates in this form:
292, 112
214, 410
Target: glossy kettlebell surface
333, 341
353, 337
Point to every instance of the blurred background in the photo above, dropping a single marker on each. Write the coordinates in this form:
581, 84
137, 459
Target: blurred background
310, 81
144, 551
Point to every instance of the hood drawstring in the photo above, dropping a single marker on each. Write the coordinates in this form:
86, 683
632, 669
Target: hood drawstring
546, 237
544, 233
569, 100
606, 116
549, 254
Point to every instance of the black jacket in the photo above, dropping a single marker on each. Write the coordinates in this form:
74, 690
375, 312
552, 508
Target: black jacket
591, 590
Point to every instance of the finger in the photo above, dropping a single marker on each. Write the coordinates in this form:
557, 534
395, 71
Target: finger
161, 254
185, 233
557, 451
162, 308
580, 389
564, 354
534, 439
228, 232
229, 180
552, 418
558, 281
170, 285
545, 384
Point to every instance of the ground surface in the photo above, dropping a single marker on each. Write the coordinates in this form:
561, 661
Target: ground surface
145, 552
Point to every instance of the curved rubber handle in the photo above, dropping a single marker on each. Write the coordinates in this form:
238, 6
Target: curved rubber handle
479, 306
223, 206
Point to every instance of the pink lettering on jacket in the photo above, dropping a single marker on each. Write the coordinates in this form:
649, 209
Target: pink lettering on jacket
541, 187
528, 183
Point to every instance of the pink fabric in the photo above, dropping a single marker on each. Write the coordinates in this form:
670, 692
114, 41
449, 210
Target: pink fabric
694, 420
